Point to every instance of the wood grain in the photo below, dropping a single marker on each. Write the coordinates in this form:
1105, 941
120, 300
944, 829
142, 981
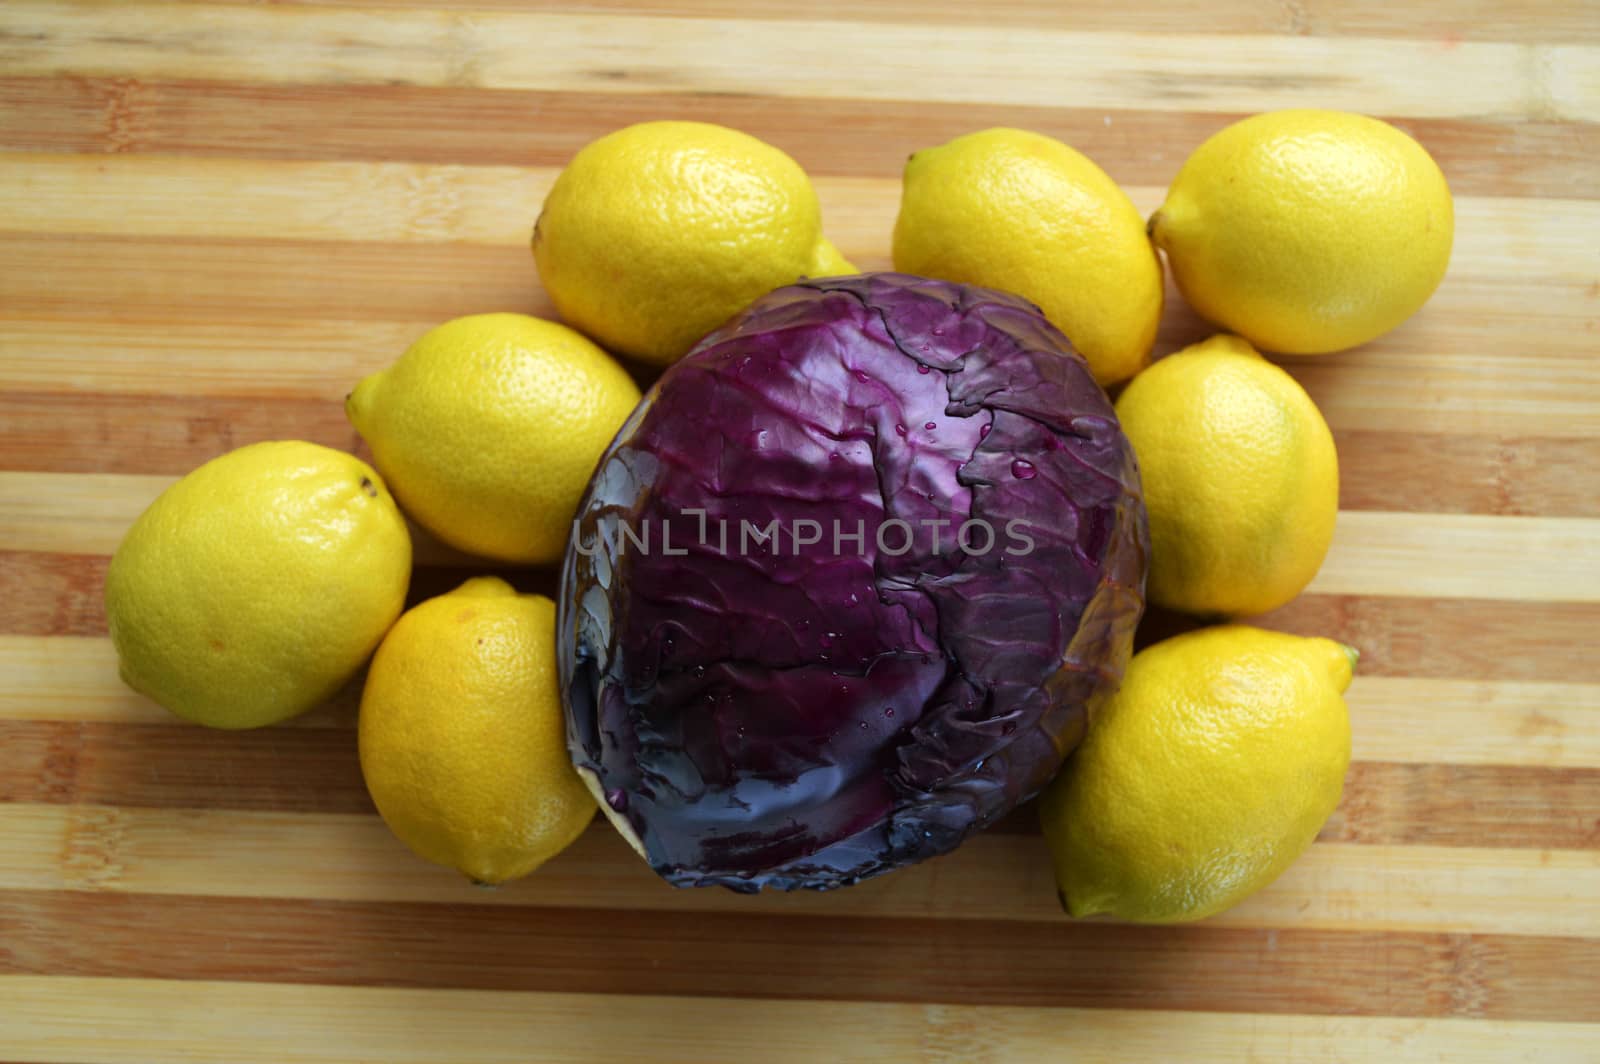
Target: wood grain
231, 853
102, 1021
218, 214
1398, 637
74, 679
1376, 389
1375, 554
1466, 473
61, 594
1447, 556
150, 281
280, 769
52, 594
796, 58
138, 195
1452, 639
1483, 156
1394, 719
142, 281
1447, 22
68, 429
1466, 805
89, 513
908, 959
315, 770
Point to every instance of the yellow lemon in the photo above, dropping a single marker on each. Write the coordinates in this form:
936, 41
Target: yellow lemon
254, 587
1015, 210
1203, 777
489, 427
1307, 231
656, 234
463, 741
1240, 477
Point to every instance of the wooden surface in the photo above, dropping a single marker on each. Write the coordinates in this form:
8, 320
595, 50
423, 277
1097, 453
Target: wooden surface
214, 217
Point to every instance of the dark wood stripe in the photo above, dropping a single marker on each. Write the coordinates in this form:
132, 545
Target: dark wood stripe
1506, 806
1462, 639
1484, 157
307, 770
315, 770
88, 432
52, 594
1468, 805
93, 432
135, 279
1479, 474
732, 954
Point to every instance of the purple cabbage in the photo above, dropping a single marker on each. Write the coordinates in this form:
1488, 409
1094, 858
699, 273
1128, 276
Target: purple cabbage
819, 708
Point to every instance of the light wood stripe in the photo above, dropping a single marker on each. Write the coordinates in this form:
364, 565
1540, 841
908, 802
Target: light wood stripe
393, 202
82, 514
993, 877
1394, 719
1441, 21
73, 679
798, 58
138, 195
265, 359
1411, 720
1530, 559
315, 770
1452, 639
122, 1021
1466, 336
1484, 155
63, 594
1395, 385
89, 513
68, 678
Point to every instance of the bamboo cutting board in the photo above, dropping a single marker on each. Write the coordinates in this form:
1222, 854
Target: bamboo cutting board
218, 215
